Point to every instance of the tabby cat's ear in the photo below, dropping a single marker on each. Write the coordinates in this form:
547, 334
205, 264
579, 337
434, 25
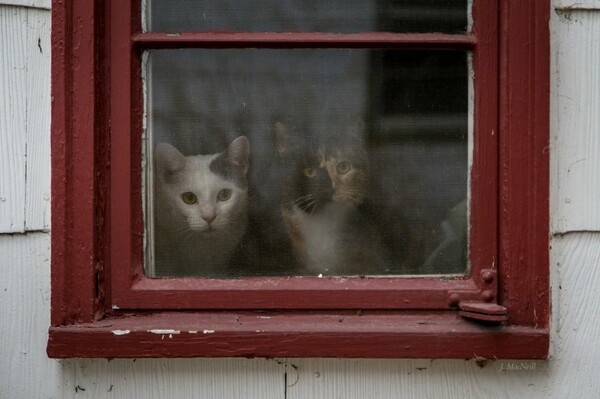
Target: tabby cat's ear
238, 153
168, 160
283, 141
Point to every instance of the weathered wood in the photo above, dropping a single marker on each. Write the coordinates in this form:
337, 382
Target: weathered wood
305, 40
577, 256
375, 334
13, 117
37, 189
577, 4
174, 378
24, 120
42, 4
524, 162
74, 221
576, 120
24, 304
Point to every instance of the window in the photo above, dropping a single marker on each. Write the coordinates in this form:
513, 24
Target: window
454, 128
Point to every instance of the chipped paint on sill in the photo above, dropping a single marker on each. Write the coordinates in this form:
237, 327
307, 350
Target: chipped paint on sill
164, 332
121, 332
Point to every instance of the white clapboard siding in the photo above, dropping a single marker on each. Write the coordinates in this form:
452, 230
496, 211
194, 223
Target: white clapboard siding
25, 317
24, 119
577, 325
43, 4
576, 121
393, 379
37, 188
174, 378
577, 4
13, 117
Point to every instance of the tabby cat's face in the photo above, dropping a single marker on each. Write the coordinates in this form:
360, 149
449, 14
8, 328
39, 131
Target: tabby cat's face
319, 174
348, 175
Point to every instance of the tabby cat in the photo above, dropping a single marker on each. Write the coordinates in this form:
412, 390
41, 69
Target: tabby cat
325, 206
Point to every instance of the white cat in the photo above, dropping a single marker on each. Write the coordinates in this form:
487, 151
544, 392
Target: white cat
201, 209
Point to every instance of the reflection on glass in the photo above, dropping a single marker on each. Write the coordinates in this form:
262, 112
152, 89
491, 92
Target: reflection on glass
306, 162
338, 16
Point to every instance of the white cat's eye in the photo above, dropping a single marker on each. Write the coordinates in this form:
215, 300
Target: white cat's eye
310, 172
189, 198
343, 167
224, 195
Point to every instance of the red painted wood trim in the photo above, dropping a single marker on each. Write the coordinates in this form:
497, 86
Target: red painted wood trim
483, 235
86, 213
304, 40
73, 139
525, 176
126, 232
294, 293
131, 290
339, 334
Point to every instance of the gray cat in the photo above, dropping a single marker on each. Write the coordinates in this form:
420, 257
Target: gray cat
200, 211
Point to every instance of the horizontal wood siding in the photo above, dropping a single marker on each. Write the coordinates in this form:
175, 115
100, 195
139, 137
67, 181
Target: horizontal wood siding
577, 4
576, 121
13, 119
24, 120
24, 318
43, 4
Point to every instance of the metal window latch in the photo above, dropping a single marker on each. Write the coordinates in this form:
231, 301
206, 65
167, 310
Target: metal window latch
480, 305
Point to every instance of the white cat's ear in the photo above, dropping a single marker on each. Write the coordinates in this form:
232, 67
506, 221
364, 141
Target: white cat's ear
283, 141
168, 160
238, 153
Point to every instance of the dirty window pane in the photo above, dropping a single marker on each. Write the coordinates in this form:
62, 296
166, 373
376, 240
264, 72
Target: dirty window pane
343, 162
339, 16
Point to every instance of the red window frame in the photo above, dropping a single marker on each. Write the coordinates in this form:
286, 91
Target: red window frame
104, 306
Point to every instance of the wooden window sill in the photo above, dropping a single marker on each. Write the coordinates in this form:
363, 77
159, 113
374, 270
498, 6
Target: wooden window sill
373, 334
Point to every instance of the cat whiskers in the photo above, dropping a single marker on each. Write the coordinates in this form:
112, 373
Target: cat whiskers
301, 199
302, 202
305, 202
309, 205
181, 231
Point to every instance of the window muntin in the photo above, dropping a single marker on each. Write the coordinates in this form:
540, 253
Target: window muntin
335, 16
404, 112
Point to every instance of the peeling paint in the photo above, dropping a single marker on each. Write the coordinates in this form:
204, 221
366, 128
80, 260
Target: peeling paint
115, 307
164, 332
121, 332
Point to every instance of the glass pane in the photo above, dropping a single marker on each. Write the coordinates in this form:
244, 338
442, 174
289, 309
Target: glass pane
325, 162
340, 16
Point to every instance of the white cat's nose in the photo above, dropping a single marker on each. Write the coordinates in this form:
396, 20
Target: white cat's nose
208, 217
